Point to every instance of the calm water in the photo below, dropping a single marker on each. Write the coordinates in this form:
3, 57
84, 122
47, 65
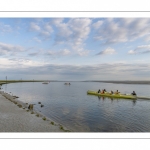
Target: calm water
79, 112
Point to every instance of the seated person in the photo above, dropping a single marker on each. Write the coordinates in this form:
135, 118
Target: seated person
133, 93
112, 92
102, 92
99, 91
117, 92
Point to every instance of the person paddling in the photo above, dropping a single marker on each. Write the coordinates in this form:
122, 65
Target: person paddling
103, 91
133, 93
117, 92
99, 91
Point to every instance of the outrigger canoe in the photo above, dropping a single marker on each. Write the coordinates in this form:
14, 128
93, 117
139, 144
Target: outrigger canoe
107, 94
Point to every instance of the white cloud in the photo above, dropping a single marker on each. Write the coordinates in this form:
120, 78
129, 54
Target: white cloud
97, 24
131, 52
34, 27
73, 33
64, 52
122, 29
44, 30
8, 48
48, 28
63, 34
5, 28
108, 51
140, 50
80, 28
56, 21
113, 71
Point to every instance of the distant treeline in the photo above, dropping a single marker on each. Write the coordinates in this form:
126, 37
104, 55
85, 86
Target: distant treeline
123, 82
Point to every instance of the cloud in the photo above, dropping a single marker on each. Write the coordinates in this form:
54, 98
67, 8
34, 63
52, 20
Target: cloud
80, 29
72, 33
63, 34
97, 24
5, 28
140, 50
74, 30
64, 52
122, 29
56, 21
108, 51
33, 54
37, 39
8, 48
43, 29
34, 27
147, 39
105, 71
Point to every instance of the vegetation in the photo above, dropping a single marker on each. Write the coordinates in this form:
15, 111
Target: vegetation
37, 115
44, 118
52, 123
61, 127
15, 81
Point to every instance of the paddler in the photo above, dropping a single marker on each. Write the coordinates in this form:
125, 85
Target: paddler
133, 93
103, 91
112, 92
117, 92
99, 91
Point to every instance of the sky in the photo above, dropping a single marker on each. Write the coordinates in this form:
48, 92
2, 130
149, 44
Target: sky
75, 49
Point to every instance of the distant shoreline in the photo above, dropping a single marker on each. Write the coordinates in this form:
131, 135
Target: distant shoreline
123, 82
106, 81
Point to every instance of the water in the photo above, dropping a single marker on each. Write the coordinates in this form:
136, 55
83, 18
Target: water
79, 112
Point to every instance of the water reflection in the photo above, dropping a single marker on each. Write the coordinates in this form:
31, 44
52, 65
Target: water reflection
116, 99
134, 102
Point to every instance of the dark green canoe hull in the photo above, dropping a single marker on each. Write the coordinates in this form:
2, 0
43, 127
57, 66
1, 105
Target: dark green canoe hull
112, 95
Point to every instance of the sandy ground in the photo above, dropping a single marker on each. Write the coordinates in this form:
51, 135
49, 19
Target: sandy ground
15, 117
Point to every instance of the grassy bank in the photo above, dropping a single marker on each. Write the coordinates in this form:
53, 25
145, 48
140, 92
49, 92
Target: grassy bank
16, 81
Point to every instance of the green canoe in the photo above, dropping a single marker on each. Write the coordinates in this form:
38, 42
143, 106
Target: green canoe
107, 94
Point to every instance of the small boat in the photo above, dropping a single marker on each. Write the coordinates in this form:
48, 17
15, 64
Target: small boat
107, 94
45, 83
67, 84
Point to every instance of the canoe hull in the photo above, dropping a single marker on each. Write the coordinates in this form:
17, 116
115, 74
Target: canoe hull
112, 95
